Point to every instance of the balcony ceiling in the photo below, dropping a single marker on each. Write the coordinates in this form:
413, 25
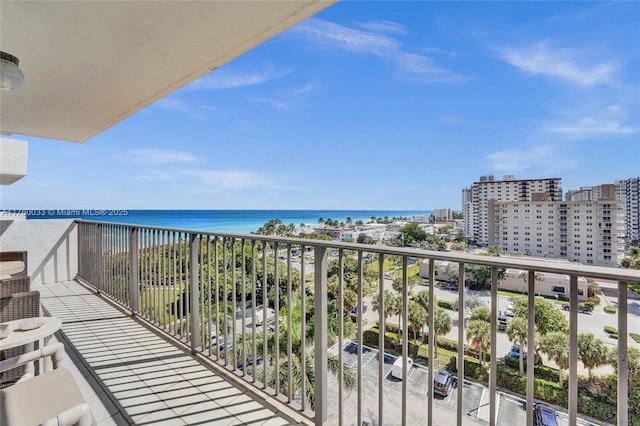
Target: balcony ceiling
89, 65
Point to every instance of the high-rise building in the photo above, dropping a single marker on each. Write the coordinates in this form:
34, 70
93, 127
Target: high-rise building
589, 232
479, 212
628, 192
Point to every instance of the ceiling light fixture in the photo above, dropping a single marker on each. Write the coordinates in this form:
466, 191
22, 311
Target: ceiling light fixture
10, 75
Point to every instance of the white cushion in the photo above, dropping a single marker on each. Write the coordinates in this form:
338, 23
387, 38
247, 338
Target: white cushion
11, 267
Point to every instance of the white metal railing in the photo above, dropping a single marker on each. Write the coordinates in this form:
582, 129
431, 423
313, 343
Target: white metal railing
236, 298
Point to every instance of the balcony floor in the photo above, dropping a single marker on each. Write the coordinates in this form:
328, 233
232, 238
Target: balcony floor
131, 375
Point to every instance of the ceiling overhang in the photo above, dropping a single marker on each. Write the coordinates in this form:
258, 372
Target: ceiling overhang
90, 64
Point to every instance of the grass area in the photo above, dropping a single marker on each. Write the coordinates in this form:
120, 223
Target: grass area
518, 294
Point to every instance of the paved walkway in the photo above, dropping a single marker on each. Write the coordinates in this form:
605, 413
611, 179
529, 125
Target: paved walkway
130, 375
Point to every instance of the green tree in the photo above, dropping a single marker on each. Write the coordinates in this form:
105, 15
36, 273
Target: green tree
422, 299
556, 345
441, 325
547, 317
481, 313
591, 352
365, 239
413, 233
281, 348
390, 304
479, 334
631, 259
592, 288
517, 331
417, 318
633, 358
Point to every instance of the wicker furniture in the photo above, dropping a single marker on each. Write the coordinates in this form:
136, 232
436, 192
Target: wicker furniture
13, 273
13, 264
15, 307
13, 285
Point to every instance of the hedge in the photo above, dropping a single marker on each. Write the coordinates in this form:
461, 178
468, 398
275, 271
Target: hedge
445, 304
610, 309
594, 299
635, 336
610, 329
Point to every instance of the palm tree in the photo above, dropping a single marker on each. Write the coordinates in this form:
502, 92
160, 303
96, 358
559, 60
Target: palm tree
556, 345
297, 377
390, 304
633, 357
349, 220
479, 333
441, 325
481, 313
591, 352
417, 318
517, 331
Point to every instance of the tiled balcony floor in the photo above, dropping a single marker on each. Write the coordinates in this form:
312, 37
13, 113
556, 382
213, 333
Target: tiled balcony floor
130, 375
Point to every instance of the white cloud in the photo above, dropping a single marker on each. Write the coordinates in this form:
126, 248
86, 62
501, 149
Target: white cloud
273, 102
564, 64
346, 38
412, 66
450, 118
609, 120
589, 126
157, 156
423, 69
231, 179
512, 161
174, 103
223, 79
382, 26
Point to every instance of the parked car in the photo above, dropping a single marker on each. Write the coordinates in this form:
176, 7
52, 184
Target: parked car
450, 286
544, 415
503, 321
355, 310
581, 308
442, 383
515, 352
398, 366
509, 312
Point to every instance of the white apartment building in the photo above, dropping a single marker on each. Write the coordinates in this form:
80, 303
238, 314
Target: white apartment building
479, 211
442, 214
628, 191
589, 232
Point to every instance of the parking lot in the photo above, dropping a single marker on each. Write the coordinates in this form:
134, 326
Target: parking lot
511, 410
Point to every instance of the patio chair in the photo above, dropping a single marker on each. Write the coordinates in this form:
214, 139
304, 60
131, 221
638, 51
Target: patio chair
13, 264
9, 286
51, 398
14, 307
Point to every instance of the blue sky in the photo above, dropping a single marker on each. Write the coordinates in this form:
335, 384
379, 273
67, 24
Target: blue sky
373, 105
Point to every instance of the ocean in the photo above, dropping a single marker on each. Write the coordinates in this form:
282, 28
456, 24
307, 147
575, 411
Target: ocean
240, 221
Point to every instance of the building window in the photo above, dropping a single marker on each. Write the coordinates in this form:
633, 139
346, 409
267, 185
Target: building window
557, 289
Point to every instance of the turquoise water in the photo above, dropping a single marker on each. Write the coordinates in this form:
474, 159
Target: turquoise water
241, 221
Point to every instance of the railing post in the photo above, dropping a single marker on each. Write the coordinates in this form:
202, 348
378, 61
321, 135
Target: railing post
573, 349
320, 334
460, 346
193, 293
623, 360
99, 264
531, 330
493, 365
134, 276
433, 343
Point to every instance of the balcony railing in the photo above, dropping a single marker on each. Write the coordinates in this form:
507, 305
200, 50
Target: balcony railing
259, 306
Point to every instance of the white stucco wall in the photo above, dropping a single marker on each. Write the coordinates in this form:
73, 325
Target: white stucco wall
51, 245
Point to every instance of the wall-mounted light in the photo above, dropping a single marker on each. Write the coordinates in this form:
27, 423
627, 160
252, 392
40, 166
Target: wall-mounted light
10, 75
